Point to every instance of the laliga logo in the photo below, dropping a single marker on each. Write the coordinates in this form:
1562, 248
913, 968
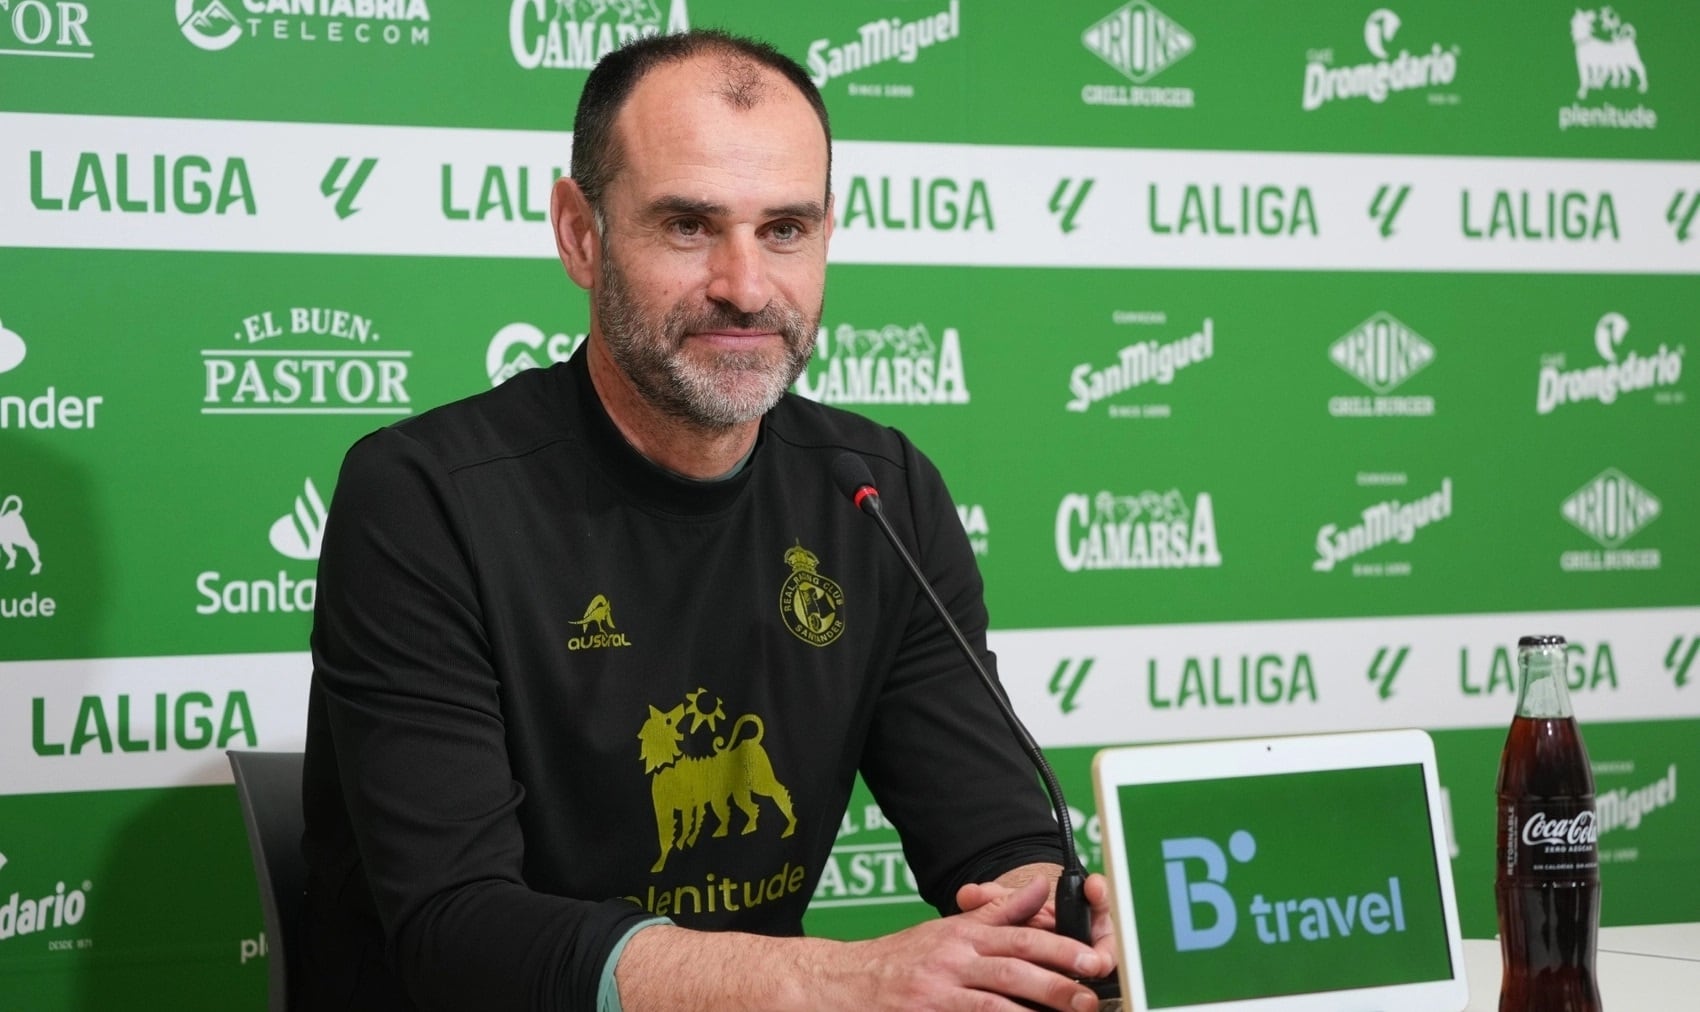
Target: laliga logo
1379, 29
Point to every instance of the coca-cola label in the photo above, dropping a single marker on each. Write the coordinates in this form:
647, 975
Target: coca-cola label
1549, 838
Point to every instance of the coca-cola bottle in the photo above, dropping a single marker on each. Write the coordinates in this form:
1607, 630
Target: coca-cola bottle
1548, 884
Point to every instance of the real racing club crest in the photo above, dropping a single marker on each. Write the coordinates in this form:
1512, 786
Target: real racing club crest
812, 605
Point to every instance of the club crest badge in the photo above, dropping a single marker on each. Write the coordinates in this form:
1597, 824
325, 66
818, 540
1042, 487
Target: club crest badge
811, 604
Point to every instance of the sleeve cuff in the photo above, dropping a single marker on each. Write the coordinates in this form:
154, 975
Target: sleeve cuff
608, 991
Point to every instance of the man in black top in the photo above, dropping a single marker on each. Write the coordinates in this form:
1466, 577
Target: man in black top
598, 653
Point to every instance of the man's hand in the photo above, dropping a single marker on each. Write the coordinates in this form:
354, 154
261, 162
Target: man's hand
977, 894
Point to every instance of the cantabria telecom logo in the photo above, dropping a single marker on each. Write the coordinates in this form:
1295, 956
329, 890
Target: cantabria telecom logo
1382, 523
1139, 366
214, 25
41, 28
1389, 72
1611, 509
1381, 353
893, 364
884, 40
35, 407
295, 535
268, 372
1141, 42
575, 34
1607, 59
1147, 530
1620, 373
53, 909
521, 346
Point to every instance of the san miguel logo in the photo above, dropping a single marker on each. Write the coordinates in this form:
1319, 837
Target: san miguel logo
884, 40
1377, 525
893, 364
733, 770
1618, 373
215, 25
811, 604
1142, 363
575, 34
268, 372
596, 628
1150, 530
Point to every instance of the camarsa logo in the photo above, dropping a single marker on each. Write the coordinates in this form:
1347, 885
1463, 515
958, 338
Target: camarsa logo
575, 34
886, 40
893, 364
1387, 73
1147, 530
341, 371
811, 604
1620, 372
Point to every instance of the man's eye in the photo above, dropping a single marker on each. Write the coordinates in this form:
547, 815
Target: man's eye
786, 231
687, 228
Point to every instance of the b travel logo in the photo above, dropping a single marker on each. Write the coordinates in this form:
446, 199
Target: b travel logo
575, 34
305, 360
1625, 370
1390, 70
54, 911
1611, 508
1144, 530
520, 346
1140, 42
891, 364
893, 39
295, 535
1135, 383
55, 28
1381, 353
1608, 67
216, 25
1393, 520
26, 404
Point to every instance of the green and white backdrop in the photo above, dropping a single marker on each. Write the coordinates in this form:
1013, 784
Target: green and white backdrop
1287, 362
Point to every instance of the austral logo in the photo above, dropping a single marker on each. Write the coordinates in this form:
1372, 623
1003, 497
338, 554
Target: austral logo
43, 28
1149, 530
55, 908
269, 372
521, 346
1620, 372
48, 409
892, 364
1607, 58
1388, 72
1381, 353
575, 34
598, 615
884, 40
295, 535
1141, 42
1611, 509
1142, 364
1384, 522
811, 604
215, 25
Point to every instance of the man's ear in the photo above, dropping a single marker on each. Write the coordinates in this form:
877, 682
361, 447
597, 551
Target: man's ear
575, 232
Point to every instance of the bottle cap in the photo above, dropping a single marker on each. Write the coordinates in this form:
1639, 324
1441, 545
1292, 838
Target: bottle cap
1541, 641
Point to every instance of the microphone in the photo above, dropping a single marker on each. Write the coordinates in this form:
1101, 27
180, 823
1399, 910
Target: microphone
1074, 917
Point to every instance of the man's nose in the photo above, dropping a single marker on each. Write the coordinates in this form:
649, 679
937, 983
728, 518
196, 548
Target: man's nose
739, 273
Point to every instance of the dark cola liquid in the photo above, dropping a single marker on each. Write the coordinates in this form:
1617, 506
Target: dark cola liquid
1548, 881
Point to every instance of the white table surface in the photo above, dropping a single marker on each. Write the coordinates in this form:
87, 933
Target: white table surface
1646, 968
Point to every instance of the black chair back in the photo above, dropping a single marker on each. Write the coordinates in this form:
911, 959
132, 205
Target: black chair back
268, 785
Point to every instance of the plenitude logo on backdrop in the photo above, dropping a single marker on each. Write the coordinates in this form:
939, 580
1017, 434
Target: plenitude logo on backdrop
47, 409
1607, 58
19, 547
42, 909
575, 34
1628, 373
883, 40
1380, 524
295, 535
130, 183
1141, 42
1388, 73
1146, 530
519, 346
1381, 353
893, 364
1140, 365
1611, 509
214, 25
43, 28
344, 376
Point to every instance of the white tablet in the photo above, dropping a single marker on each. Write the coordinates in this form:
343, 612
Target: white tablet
1281, 875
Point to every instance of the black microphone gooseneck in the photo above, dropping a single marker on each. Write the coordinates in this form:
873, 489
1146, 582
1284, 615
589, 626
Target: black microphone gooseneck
1074, 918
